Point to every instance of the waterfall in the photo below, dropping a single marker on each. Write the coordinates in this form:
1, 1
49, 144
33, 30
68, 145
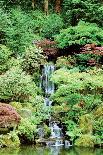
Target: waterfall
46, 84
55, 130
48, 87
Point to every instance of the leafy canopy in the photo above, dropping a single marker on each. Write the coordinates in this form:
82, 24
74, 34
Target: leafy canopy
81, 34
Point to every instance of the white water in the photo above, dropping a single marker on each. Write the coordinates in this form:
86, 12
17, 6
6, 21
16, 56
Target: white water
48, 88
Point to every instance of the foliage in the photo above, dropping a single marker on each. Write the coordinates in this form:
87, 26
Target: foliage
47, 131
19, 30
78, 88
16, 105
32, 59
16, 85
68, 62
8, 116
98, 121
27, 129
5, 55
86, 140
86, 123
52, 25
88, 10
81, 34
82, 60
23, 28
9, 140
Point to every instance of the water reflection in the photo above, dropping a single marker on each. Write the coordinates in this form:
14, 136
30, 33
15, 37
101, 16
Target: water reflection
31, 150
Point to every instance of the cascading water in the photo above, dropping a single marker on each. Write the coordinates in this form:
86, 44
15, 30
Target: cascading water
48, 87
55, 130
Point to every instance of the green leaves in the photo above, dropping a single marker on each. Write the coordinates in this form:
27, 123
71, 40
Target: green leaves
32, 59
75, 86
86, 10
15, 85
5, 55
81, 34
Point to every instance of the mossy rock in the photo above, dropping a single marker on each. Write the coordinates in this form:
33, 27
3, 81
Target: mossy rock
86, 140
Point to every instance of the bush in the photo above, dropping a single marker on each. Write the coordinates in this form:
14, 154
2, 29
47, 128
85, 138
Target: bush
16, 85
83, 60
68, 62
22, 28
19, 31
9, 140
86, 141
5, 56
86, 124
8, 116
52, 25
27, 130
88, 10
81, 34
32, 59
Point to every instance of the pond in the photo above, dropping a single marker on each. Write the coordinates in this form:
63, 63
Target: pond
32, 150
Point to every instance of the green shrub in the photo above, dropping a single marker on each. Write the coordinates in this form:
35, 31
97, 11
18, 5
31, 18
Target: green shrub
5, 56
19, 31
16, 85
52, 25
86, 123
82, 60
88, 10
9, 140
32, 59
47, 131
27, 129
81, 34
16, 105
86, 140
47, 26
68, 62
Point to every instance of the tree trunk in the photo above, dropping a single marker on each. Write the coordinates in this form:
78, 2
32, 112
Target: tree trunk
46, 3
33, 4
58, 6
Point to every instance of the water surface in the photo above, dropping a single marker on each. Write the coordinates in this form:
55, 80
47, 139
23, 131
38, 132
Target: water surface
32, 150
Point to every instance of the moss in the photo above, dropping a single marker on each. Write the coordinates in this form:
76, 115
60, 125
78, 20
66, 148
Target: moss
86, 140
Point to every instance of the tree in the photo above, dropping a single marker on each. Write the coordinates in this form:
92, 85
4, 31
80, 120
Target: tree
58, 6
88, 10
33, 4
81, 34
46, 3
